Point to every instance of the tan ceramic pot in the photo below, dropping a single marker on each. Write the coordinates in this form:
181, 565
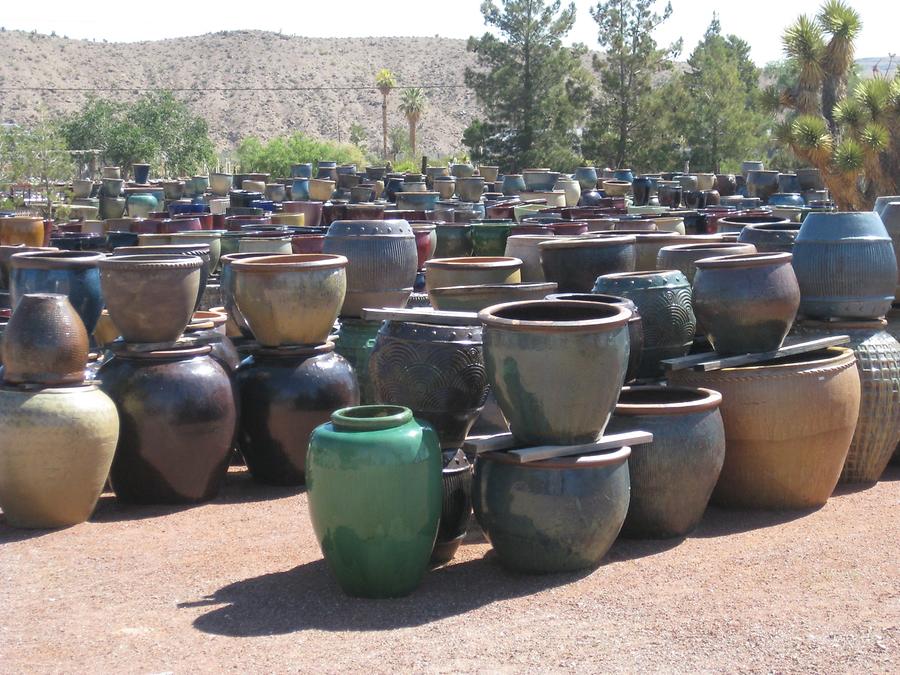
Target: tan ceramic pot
525, 248
441, 272
320, 189
27, 230
254, 186
788, 427
211, 237
290, 300
58, 445
264, 245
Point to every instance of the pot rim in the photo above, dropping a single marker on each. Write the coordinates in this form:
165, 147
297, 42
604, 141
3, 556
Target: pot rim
291, 351
709, 399
232, 257
744, 260
59, 388
475, 262
144, 261
175, 351
608, 298
55, 259
525, 285
703, 246
289, 262
376, 417
619, 316
587, 241
835, 356
754, 220
176, 249
588, 460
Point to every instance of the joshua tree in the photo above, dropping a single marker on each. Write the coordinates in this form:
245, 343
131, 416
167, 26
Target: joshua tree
385, 82
845, 137
412, 104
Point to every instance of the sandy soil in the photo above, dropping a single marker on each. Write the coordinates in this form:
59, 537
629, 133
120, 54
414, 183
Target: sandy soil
239, 584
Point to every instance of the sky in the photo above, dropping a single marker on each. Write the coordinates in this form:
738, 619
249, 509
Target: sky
759, 22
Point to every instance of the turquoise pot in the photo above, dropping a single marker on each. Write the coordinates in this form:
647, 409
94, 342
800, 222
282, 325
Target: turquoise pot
586, 177
513, 184
787, 199
141, 205
373, 476
558, 515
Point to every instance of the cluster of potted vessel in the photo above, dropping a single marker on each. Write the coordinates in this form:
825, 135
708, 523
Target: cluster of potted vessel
569, 311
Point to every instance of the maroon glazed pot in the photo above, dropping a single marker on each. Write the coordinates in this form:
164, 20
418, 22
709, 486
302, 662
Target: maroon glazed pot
307, 243
531, 228
184, 224
218, 221
505, 210
312, 211
569, 228
426, 238
404, 214
205, 219
69, 227
147, 226
365, 211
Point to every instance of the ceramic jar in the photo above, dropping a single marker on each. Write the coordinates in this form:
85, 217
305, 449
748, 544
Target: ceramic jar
426, 240
513, 184
172, 449
770, 238
555, 515
150, 298
489, 237
58, 445
26, 230
197, 250
586, 177
575, 263
571, 188
635, 327
878, 362
44, 342
382, 262
441, 272
369, 466
672, 477
683, 257
476, 298
284, 394
890, 217
556, 367
213, 238
762, 184
290, 299
737, 223
72, 273
781, 452
648, 244
667, 316
470, 189
845, 266
525, 248
746, 303
453, 240
355, 341
436, 371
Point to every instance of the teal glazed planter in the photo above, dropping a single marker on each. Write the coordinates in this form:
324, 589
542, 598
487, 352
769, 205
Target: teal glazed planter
489, 237
355, 341
672, 477
141, 205
558, 515
513, 184
300, 190
556, 367
374, 484
586, 177
845, 265
667, 315
453, 240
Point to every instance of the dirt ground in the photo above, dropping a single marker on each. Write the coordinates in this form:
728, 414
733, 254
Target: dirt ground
239, 584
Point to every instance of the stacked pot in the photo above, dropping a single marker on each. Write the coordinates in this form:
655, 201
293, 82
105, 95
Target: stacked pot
173, 448
557, 368
59, 431
293, 379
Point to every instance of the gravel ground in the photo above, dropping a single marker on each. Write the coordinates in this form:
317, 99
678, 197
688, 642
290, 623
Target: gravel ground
239, 584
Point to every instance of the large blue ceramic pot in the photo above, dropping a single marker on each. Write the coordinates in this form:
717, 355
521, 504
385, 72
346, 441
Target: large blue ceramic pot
300, 190
586, 177
301, 170
845, 265
417, 201
624, 174
555, 515
787, 199
70, 273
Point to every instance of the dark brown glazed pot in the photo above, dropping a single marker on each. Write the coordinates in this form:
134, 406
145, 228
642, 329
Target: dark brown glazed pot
683, 257
575, 263
150, 297
746, 303
635, 328
177, 423
45, 342
195, 250
285, 393
770, 238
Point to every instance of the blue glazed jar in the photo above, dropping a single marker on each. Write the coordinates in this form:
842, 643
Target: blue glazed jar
70, 273
300, 189
787, 199
264, 204
513, 184
586, 177
303, 170
624, 174
78, 241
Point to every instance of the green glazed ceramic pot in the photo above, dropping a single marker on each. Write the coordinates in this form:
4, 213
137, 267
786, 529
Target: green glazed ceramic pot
672, 478
453, 240
489, 238
556, 515
373, 476
355, 341
556, 367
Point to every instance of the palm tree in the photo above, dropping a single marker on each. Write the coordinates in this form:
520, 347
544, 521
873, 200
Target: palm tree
412, 104
385, 82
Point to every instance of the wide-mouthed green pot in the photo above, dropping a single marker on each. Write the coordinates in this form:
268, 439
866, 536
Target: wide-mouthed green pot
373, 477
290, 299
556, 367
555, 515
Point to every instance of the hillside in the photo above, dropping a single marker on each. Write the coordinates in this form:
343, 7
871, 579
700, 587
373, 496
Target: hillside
245, 61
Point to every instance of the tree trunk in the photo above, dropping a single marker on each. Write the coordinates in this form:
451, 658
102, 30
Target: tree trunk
384, 152
412, 136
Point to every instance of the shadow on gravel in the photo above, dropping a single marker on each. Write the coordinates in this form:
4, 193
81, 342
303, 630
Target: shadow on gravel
306, 597
718, 522
631, 549
10, 534
239, 488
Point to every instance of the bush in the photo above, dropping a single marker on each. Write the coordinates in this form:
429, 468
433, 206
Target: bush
277, 155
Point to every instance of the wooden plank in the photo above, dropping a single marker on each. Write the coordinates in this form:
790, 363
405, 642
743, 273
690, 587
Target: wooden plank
713, 361
422, 315
506, 442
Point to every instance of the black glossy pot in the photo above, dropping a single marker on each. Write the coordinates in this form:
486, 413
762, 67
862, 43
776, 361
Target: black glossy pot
286, 393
